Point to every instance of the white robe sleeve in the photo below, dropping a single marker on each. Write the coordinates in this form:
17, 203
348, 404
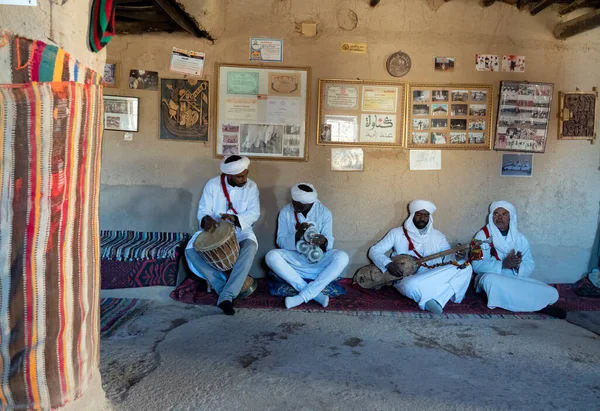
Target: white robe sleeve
443, 246
249, 217
207, 203
326, 228
286, 239
377, 252
488, 264
527, 264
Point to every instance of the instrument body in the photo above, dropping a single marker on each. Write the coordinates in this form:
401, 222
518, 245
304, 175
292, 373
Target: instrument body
219, 247
371, 277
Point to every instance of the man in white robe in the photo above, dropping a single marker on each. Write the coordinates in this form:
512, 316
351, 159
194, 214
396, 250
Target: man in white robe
431, 288
287, 263
503, 273
232, 196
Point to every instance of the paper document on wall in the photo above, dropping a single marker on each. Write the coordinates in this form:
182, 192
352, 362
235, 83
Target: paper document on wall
19, 2
425, 159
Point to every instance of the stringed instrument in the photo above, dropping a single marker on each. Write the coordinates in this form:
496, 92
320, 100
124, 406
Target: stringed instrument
371, 277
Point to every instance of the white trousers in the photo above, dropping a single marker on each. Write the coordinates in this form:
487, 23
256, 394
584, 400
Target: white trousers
443, 284
513, 293
293, 268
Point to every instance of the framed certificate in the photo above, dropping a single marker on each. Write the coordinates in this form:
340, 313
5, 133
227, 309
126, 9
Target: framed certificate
262, 111
361, 113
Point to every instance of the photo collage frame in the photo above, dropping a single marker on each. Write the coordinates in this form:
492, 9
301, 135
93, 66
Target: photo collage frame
449, 116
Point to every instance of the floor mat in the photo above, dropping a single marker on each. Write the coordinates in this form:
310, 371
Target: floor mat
116, 311
387, 299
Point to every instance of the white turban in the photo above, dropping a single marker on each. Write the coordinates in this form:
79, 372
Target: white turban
304, 197
508, 243
235, 167
415, 234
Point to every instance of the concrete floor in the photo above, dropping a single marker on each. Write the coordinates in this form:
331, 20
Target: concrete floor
178, 357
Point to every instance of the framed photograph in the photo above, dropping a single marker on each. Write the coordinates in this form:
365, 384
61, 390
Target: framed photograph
449, 116
578, 115
487, 62
347, 159
361, 113
262, 111
143, 80
443, 63
517, 165
111, 75
523, 116
121, 113
184, 109
514, 64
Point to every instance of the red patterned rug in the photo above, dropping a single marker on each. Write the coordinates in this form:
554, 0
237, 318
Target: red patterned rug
387, 299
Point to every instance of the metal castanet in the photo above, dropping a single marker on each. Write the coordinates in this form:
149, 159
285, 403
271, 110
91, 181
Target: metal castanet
371, 277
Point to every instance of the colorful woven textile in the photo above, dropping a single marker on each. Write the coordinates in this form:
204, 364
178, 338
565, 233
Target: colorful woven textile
23, 61
140, 245
102, 23
50, 140
385, 300
279, 288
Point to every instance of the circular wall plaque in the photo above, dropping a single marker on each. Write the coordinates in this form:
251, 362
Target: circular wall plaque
398, 64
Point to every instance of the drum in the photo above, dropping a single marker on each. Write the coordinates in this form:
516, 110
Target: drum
219, 248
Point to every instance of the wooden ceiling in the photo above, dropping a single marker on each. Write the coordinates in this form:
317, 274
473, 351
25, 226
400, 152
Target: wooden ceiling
585, 22
143, 16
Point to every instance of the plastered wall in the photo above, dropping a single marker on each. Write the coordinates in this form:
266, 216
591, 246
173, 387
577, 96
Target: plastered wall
62, 23
558, 207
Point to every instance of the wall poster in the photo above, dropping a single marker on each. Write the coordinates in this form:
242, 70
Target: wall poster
361, 113
262, 111
449, 116
523, 116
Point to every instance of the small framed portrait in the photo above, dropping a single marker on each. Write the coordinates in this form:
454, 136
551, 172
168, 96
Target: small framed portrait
517, 165
347, 159
111, 75
443, 63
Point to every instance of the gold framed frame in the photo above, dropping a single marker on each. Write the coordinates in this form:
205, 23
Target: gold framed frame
566, 116
284, 93
457, 112
346, 113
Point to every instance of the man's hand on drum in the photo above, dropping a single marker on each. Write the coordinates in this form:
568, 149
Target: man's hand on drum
319, 240
208, 223
394, 269
300, 231
232, 218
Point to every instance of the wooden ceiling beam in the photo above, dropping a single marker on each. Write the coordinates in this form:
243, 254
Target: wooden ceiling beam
579, 25
540, 5
572, 7
487, 3
179, 17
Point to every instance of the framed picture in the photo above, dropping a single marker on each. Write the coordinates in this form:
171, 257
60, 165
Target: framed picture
347, 159
443, 63
262, 111
523, 116
121, 113
449, 116
578, 115
361, 113
111, 75
184, 106
517, 165
143, 80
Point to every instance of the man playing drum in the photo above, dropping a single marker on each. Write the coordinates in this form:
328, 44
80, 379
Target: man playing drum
230, 198
294, 220
504, 271
431, 288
